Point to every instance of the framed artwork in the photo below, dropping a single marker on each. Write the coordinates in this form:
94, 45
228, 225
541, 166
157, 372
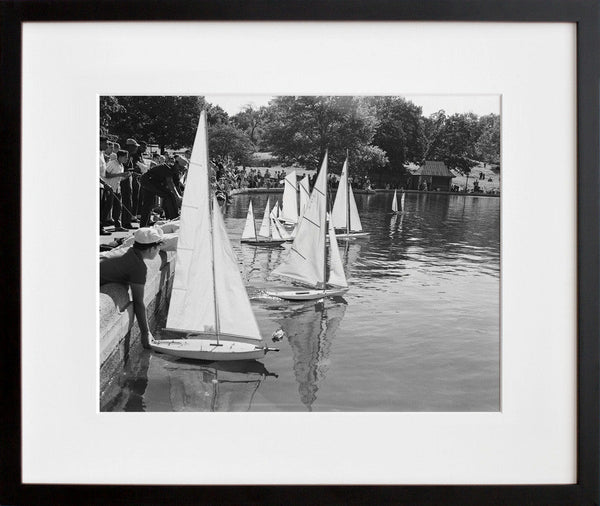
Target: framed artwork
460, 363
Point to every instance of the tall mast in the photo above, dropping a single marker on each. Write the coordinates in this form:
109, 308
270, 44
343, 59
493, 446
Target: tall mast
254, 222
211, 206
347, 196
325, 229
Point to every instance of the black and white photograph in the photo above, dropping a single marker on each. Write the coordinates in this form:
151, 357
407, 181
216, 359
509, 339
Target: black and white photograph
299, 253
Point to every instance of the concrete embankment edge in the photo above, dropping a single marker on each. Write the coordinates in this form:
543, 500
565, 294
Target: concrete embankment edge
119, 330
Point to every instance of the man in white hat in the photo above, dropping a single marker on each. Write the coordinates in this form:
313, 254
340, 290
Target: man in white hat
127, 266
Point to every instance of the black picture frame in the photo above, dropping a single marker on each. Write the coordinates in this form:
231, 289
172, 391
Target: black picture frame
585, 13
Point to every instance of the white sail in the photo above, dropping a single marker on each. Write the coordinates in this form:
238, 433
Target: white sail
355, 224
306, 259
250, 227
289, 210
345, 215
283, 233
395, 203
265, 226
304, 195
275, 211
340, 206
192, 299
337, 277
402, 201
275, 230
233, 305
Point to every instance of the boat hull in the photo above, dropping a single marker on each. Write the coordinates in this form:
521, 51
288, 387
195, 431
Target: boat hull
308, 294
267, 244
207, 349
352, 235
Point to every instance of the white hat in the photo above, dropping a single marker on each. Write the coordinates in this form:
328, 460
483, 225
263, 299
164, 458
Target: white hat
148, 235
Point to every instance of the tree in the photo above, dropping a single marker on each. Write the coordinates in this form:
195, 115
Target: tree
456, 146
252, 122
169, 121
367, 158
215, 115
108, 107
227, 142
399, 130
431, 129
487, 147
300, 129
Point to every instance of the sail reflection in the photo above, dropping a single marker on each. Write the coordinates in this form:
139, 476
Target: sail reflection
310, 330
396, 224
181, 385
393, 223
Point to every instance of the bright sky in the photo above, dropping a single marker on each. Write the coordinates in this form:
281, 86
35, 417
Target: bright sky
478, 104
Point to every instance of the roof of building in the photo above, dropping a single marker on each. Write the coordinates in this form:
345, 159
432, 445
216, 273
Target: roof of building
434, 168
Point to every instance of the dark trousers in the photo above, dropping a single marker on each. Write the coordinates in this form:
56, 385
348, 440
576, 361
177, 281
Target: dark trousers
126, 201
148, 194
104, 206
135, 196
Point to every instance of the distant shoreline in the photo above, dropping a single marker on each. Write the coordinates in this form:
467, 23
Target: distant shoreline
247, 191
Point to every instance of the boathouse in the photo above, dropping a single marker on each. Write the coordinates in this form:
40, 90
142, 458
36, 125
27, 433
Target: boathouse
435, 175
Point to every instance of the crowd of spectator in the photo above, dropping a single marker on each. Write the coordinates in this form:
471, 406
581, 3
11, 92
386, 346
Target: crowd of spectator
228, 176
121, 177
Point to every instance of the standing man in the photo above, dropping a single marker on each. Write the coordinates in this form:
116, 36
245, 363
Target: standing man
135, 184
104, 192
127, 185
162, 181
115, 173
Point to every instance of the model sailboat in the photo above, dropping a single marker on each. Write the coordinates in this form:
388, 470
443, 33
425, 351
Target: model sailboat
395, 203
307, 260
268, 234
210, 311
345, 213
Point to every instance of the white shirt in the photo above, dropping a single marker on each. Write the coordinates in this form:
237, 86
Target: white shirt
102, 166
143, 166
114, 167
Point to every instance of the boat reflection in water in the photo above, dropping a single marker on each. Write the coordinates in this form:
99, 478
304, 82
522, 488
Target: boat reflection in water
396, 224
181, 385
310, 330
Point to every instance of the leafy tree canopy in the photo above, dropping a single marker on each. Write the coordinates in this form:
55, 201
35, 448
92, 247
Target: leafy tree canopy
300, 129
252, 122
227, 142
399, 130
169, 121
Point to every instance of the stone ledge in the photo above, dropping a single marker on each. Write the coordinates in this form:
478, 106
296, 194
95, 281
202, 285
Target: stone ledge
119, 330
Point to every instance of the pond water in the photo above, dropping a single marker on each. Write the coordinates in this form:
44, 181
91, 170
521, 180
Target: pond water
419, 329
